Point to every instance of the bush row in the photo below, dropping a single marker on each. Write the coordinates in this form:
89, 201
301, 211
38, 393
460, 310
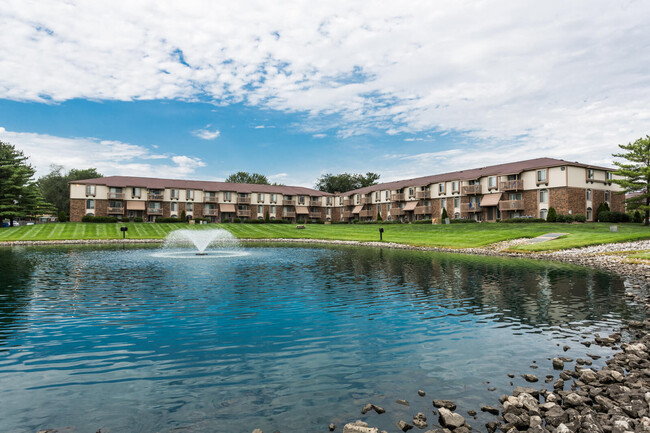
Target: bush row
98, 219
613, 217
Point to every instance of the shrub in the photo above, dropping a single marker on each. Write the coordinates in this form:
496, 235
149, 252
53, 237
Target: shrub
183, 216
236, 220
254, 221
462, 221
63, 217
564, 218
552, 215
524, 220
424, 221
444, 214
613, 217
165, 220
225, 220
198, 220
603, 207
379, 218
267, 216
579, 218
137, 220
637, 217
300, 221
98, 219
373, 222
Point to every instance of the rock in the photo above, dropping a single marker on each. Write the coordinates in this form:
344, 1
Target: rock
562, 429
530, 377
518, 390
573, 400
450, 419
421, 393
490, 409
588, 375
402, 402
565, 348
404, 426
447, 404
378, 409
366, 408
332, 427
556, 415
558, 364
257, 430
471, 412
359, 427
420, 420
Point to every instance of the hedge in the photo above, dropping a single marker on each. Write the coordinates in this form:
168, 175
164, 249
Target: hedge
169, 220
523, 220
98, 219
613, 217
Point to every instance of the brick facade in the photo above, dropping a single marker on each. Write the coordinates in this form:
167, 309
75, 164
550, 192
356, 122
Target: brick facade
77, 209
531, 203
617, 202
101, 207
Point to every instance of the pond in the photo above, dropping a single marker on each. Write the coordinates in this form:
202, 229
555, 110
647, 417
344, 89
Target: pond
281, 338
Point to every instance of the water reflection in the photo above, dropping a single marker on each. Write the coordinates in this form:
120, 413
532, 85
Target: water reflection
289, 338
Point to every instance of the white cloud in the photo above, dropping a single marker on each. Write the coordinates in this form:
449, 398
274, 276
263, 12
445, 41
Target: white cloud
319, 135
279, 177
109, 157
555, 74
206, 134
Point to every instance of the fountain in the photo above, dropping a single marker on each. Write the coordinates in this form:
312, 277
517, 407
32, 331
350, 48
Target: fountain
201, 240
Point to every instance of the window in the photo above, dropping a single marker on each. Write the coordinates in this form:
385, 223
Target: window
541, 175
387, 195
260, 209
441, 188
492, 182
329, 201
608, 175
272, 209
90, 190
606, 195
543, 213
226, 196
114, 203
189, 194
589, 213
135, 192
588, 194
174, 193
274, 198
377, 194
457, 215
443, 202
357, 197
301, 199
329, 211
456, 202
174, 207
454, 186
411, 192
515, 196
590, 173
189, 207
260, 198
543, 196
90, 204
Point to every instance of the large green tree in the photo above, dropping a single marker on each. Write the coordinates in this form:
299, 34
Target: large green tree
334, 183
635, 171
55, 185
19, 194
246, 177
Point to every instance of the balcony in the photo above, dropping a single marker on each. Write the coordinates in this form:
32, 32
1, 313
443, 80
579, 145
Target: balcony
116, 210
316, 203
209, 212
289, 215
471, 189
152, 196
314, 215
347, 202
422, 195
470, 207
422, 210
288, 202
506, 205
366, 214
243, 200
511, 185
347, 214
154, 211
398, 197
366, 200
116, 195
397, 211
210, 199
243, 213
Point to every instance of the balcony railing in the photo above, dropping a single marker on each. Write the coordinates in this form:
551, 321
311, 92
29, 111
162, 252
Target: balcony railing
510, 185
347, 214
470, 207
243, 200
422, 210
154, 211
366, 214
116, 210
314, 215
422, 194
398, 197
210, 199
316, 203
152, 196
289, 215
472, 189
209, 212
511, 205
116, 195
366, 200
347, 202
397, 211
243, 212
288, 202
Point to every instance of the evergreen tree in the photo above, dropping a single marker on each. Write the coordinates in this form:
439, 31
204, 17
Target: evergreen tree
636, 174
55, 185
552, 215
444, 214
637, 217
379, 218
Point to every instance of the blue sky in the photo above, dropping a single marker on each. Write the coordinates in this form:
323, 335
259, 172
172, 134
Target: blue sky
206, 89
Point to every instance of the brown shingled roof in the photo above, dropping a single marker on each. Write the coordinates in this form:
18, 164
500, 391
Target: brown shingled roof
471, 174
156, 183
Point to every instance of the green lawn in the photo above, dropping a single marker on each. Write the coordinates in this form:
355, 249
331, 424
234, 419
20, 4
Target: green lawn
450, 236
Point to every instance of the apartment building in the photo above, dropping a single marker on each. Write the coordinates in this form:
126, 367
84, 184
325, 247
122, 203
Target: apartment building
519, 189
150, 198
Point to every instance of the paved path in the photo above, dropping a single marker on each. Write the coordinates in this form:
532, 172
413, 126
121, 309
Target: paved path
546, 237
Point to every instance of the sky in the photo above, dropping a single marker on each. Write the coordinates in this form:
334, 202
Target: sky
298, 89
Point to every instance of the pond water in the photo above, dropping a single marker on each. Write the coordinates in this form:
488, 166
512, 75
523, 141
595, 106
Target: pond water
280, 338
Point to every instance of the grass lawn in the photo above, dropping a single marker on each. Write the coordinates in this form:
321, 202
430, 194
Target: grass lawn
450, 236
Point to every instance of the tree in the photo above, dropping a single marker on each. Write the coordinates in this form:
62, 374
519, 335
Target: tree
246, 177
344, 182
635, 172
19, 194
55, 187
551, 216
379, 218
444, 214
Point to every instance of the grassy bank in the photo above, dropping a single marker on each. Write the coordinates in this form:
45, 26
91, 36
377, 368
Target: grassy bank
448, 236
